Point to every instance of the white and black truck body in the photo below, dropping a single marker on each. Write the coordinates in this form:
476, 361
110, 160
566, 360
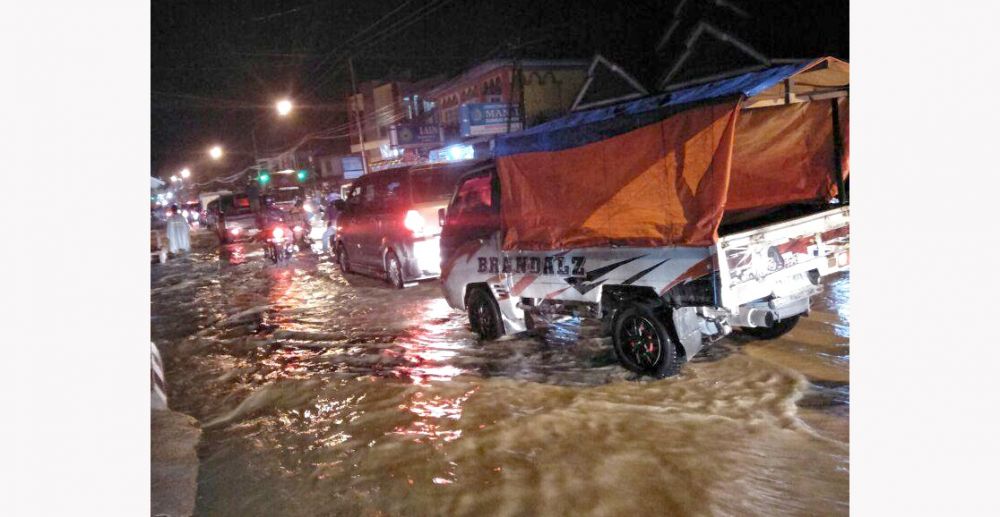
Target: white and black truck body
673, 219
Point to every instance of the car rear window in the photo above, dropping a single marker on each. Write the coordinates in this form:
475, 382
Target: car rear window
433, 184
240, 205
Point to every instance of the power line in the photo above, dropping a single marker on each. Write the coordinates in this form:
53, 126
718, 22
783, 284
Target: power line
389, 30
363, 31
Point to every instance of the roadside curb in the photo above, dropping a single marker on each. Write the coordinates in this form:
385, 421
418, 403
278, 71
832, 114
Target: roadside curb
174, 462
173, 450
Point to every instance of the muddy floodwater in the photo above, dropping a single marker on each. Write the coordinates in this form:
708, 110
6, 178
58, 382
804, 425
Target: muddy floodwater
321, 394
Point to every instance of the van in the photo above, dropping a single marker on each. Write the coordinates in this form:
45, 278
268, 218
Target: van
236, 218
389, 226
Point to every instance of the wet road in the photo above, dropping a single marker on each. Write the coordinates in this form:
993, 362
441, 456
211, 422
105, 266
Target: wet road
321, 394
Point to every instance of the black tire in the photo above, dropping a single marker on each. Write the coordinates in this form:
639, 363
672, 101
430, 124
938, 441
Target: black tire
342, 259
273, 251
393, 270
484, 314
780, 328
642, 342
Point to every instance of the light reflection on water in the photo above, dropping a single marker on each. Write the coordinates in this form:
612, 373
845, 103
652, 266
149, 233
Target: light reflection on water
343, 396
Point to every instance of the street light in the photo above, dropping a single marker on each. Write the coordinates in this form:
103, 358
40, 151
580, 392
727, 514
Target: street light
215, 152
173, 179
185, 173
284, 107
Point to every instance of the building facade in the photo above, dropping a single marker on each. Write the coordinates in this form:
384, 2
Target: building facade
380, 105
549, 89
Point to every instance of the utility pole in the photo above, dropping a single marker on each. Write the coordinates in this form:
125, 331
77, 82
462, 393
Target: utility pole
253, 137
361, 127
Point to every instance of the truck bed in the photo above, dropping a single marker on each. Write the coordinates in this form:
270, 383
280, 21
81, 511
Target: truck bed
779, 251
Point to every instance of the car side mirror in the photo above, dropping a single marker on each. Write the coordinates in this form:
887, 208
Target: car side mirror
442, 212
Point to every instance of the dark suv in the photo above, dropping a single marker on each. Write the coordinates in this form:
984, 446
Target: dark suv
389, 226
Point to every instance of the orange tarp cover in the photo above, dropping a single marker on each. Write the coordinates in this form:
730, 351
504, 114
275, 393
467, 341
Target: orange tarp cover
784, 154
658, 185
670, 182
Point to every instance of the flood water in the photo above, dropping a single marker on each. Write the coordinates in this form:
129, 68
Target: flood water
321, 394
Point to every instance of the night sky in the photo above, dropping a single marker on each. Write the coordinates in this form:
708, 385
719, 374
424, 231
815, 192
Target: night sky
218, 66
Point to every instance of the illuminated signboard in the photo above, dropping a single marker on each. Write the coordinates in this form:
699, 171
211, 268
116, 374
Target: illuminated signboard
415, 135
353, 168
489, 119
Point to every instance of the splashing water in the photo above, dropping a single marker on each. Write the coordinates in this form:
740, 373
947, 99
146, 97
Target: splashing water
322, 393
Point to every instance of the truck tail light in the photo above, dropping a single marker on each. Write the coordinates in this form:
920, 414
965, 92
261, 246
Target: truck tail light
414, 222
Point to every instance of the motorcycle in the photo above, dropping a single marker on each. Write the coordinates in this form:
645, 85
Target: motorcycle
301, 234
280, 243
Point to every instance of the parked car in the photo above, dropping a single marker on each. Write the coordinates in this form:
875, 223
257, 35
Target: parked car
389, 226
236, 219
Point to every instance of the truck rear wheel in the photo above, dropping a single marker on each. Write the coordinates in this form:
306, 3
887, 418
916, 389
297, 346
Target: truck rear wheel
484, 314
642, 342
780, 328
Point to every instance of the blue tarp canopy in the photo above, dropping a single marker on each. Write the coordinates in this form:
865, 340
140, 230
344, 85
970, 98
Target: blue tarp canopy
589, 126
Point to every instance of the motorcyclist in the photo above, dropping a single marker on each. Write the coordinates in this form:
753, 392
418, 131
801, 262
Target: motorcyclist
301, 215
331, 221
269, 214
298, 216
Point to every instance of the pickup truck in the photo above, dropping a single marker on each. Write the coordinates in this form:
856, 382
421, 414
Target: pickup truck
670, 251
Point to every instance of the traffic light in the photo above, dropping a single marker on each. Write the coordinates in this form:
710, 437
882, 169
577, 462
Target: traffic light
263, 177
302, 174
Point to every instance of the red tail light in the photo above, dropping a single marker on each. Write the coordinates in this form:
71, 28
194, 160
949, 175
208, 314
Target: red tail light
278, 233
414, 222
235, 231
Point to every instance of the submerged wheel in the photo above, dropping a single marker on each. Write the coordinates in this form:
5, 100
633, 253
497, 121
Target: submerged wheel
393, 270
780, 328
642, 342
484, 314
345, 263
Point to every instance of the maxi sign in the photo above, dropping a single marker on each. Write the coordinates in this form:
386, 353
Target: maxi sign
415, 135
488, 119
